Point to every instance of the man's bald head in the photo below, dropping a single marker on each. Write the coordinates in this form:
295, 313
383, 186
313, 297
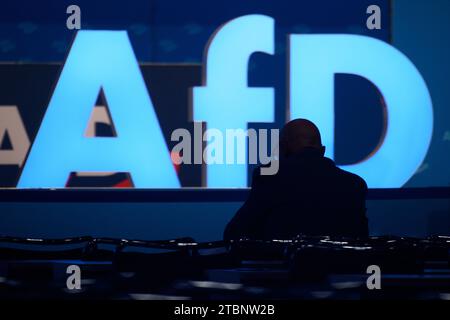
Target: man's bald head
299, 134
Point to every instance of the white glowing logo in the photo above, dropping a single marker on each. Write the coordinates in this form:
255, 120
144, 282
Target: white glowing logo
105, 60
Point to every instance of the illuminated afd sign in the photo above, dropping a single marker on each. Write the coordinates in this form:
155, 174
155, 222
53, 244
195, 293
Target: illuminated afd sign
104, 60
314, 61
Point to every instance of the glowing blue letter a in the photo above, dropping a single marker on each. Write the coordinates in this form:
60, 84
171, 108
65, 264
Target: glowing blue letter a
314, 61
99, 60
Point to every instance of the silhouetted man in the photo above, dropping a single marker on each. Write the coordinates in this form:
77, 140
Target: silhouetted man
309, 195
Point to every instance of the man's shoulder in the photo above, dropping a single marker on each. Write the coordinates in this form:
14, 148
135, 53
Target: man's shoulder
352, 179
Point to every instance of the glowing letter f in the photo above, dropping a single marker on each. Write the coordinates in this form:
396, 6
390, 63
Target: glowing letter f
225, 101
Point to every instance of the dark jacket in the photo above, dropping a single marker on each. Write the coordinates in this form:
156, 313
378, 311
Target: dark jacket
309, 195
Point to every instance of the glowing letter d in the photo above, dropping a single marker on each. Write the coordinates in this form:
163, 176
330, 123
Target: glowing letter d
99, 60
315, 59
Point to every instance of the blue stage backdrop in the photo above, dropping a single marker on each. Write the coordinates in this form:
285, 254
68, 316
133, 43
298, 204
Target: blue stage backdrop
169, 39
